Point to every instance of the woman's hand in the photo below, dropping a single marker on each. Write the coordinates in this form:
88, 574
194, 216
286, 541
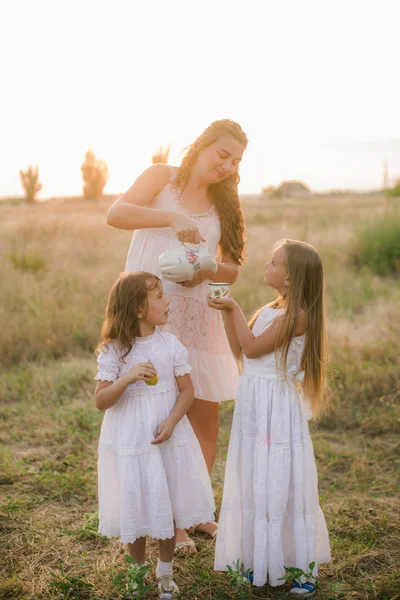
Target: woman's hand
164, 431
197, 279
186, 230
224, 304
141, 372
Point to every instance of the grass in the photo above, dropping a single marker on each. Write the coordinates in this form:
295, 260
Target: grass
378, 244
50, 320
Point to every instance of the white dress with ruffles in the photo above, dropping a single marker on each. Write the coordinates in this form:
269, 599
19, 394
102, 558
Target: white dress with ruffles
199, 327
143, 488
270, 515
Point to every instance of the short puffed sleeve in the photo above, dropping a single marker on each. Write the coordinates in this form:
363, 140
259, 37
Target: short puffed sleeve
108, 364
181, 365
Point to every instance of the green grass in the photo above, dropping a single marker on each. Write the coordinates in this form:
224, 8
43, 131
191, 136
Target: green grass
32, 261
378, 244
49, 427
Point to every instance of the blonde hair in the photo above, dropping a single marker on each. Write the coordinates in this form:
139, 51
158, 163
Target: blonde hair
127, 297
224, 194
306, 292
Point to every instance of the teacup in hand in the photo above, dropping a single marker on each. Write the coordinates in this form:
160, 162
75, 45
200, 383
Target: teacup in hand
218, 289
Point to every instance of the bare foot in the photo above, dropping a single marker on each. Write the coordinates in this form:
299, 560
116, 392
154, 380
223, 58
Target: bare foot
208, 528
183, 543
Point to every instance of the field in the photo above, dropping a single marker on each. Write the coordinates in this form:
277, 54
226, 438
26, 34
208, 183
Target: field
58, 261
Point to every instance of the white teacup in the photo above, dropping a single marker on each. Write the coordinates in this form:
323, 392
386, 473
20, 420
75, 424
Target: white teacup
218, 289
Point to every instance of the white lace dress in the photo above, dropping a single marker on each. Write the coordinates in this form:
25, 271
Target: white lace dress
198, 327
270, 515
143, 488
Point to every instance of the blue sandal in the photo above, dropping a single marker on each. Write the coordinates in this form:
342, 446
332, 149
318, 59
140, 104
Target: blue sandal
248, 576
305, 590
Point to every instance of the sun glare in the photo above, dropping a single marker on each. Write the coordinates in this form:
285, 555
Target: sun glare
134, 78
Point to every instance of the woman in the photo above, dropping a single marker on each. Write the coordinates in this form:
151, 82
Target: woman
197, 202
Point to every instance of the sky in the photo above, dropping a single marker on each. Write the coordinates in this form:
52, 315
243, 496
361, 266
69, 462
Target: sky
314, 85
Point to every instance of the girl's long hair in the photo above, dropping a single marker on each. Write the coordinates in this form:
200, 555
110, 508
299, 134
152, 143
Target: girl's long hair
128, 296
306, 292
224, 194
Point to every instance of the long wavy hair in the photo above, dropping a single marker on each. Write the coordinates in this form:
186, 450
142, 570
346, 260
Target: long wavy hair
306, 292
127, 298
224, 194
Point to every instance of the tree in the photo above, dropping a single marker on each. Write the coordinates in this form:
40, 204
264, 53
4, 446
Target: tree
95, 176
395, 191
161, 156
30, 182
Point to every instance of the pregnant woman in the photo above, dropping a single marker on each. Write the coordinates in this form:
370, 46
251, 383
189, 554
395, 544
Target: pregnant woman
193, 203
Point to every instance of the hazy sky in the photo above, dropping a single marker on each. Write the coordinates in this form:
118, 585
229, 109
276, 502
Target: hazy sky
313, 83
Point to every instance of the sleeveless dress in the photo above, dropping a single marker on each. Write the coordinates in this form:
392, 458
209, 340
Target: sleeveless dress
270, 515
143, 487
199, 328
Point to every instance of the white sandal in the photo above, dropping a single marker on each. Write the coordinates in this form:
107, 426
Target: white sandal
167, 587
211, 535
185, 544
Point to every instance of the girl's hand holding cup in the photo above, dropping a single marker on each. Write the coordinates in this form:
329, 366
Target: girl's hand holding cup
225, 304
141, 372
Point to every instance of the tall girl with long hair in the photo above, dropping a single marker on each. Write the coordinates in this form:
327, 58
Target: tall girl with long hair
270, 516
197, 201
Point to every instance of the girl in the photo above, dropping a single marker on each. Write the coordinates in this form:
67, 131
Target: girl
152, 474
270, 516
168, 205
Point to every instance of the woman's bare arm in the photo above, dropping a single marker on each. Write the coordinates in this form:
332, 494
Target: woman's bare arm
130, 211
232, 335
228, 270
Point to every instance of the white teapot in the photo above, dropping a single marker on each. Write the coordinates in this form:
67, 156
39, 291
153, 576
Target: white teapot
183, 262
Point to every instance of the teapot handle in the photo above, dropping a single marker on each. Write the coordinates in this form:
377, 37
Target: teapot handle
189, 244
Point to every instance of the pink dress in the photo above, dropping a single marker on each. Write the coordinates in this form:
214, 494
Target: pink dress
199, 328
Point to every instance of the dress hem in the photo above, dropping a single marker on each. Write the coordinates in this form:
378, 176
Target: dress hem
268, 581
158, 534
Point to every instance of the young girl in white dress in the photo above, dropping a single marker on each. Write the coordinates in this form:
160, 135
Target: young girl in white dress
270, 516
152, 476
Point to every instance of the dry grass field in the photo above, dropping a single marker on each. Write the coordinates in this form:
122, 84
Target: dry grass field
58, 261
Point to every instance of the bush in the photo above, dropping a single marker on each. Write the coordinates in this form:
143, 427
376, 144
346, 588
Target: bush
95, 175
32, 261
30, 182
378, 245
394, 192
161, 156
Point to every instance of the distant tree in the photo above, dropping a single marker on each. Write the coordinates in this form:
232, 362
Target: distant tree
161, 156
30, 182
268, 191
395, 191
95, 176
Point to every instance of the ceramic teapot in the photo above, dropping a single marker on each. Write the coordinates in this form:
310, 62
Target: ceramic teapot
183, 262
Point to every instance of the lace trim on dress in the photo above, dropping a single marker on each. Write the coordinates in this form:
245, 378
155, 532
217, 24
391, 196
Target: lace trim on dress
181, 203
187, 522
172, 174
141, 450
267, 440
181, 370
144, 390
304, 517
159, 534
106, 374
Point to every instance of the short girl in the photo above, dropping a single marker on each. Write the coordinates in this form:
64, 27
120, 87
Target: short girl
152, 474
